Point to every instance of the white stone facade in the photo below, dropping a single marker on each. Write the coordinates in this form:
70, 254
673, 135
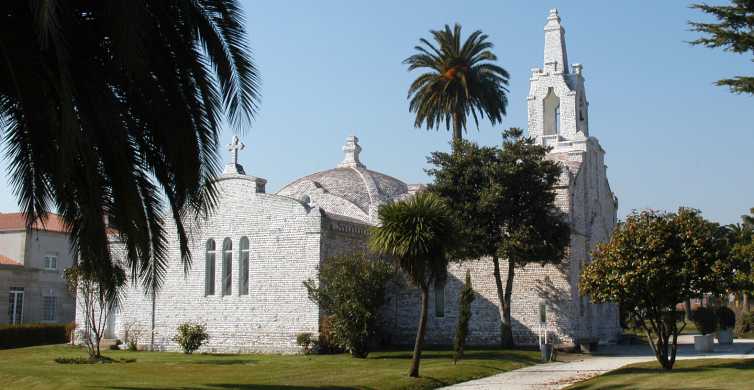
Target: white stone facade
329, 213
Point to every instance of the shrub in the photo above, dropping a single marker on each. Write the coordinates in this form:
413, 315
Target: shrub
744, 325
326, 342
27, 335
704, 319
191, 336
116, 345
306, 342
726, 318
351, 290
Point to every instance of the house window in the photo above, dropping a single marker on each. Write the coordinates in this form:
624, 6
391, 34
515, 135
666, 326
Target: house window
49, 304
243, 266
51, 262
16, 305
227, 265
209, 272
439, 300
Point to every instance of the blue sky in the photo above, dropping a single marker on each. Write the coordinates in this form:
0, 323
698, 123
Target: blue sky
333, 68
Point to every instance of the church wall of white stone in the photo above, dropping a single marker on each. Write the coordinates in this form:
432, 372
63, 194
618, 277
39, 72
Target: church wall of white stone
285, 251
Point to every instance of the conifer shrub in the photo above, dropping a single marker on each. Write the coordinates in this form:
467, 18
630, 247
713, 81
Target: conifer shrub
726, 318
306, 342
704, 319
464, 316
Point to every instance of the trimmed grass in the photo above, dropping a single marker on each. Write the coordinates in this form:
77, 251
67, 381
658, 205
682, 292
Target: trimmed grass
35, 368
733, 374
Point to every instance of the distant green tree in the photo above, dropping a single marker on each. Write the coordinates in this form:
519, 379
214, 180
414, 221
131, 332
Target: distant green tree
464, 316
733, 32
418, 233
653, 261
351, 289
742, 258
461, 80
504, 202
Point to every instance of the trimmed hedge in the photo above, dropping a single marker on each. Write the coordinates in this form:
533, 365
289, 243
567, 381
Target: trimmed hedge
27, 335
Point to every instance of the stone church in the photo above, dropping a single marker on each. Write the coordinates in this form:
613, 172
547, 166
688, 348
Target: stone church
251, 257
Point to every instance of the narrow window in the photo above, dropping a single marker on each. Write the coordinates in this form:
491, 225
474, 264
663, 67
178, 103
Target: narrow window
51, 262
439, 300
49, 304
557, 119
16, 305
227, 265
542, 313
209, 274
243, 266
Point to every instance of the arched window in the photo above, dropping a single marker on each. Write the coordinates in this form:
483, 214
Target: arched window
243, 266
227, 265
209, 271
551, 113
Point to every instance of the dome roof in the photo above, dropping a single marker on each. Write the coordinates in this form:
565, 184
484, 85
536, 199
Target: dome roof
350, 189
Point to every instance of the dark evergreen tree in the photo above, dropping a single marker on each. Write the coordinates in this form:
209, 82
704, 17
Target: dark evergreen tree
464, 316
734, 32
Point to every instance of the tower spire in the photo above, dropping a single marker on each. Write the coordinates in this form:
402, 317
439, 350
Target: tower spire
556, 58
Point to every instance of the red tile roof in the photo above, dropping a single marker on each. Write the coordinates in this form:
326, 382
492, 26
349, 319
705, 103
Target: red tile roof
8, 261
17, 221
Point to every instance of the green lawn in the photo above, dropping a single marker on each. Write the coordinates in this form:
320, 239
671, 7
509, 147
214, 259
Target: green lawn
35, 368
733, 374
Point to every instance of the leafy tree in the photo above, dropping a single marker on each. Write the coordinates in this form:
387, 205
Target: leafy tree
351, 289
98, 294
742, 259
464, 316
460, 80
418, 233
733, 33
653, 261
504, 202
111, 112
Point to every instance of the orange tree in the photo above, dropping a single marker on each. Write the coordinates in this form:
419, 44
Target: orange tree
653, 261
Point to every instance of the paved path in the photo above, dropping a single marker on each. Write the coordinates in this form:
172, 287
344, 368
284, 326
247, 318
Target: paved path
559, 375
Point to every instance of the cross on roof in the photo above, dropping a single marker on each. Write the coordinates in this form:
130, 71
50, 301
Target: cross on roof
234, 147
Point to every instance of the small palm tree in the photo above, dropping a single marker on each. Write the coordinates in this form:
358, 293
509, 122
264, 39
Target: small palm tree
417, 233
461, 80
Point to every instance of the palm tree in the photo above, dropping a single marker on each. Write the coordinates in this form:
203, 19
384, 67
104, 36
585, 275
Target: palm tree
461, 80
418, 234
111, 112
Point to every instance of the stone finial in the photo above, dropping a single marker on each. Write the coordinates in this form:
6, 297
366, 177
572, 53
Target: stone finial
352, 150
233, 166
556, 58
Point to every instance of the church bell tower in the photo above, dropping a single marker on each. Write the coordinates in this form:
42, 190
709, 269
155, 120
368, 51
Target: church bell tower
558, 109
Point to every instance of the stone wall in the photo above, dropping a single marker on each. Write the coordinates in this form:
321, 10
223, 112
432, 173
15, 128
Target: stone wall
284, 251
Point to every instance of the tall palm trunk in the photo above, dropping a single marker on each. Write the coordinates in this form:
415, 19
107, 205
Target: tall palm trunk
414, 372
457, 130
504, 295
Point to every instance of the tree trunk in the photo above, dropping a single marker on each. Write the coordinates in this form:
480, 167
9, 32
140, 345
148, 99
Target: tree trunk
745, 300
414, 372
687, 308
457, 130
504, 295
